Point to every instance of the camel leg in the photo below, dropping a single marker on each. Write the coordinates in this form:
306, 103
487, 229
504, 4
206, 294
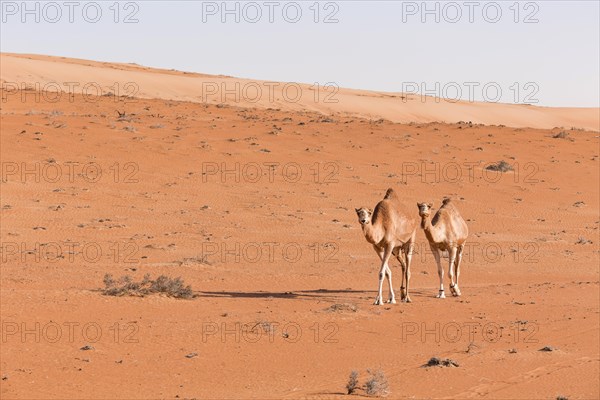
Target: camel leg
379, 252
382, 272
403, 265
457, 268
452, 260
392, 298
388, 273
436, 255
408, 256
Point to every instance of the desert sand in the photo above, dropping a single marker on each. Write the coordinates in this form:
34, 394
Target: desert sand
252, 204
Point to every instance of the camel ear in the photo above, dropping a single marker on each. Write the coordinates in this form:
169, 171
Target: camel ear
419, 204
430, 205
356, 209
370, 211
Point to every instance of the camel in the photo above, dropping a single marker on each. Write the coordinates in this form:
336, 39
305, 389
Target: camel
390, 229
447, 231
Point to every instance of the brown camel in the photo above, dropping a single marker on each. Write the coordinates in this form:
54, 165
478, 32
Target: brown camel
447, 231
390, 229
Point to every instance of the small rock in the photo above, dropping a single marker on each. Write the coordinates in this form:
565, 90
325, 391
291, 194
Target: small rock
191, 355
435, 362
87, 347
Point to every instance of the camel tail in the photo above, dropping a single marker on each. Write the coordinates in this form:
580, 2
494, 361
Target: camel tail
390, 194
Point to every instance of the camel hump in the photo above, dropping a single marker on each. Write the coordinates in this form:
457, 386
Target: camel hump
446, 200
390, 194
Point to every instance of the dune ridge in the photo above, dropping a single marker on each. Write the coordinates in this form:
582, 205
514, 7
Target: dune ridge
53, 73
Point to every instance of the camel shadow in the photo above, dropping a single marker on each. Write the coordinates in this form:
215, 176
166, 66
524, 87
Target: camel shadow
296, 294
301, 294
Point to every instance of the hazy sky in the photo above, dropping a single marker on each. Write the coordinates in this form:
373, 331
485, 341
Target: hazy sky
544, 51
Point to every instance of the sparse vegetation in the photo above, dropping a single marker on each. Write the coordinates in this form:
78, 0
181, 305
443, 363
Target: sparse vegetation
194, 260
501, 166
377, 385
123, 116
341, 307
582, 240
352, 384
561, 135
126, 286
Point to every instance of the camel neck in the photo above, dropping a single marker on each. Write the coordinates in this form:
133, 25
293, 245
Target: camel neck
372, 233
429, 229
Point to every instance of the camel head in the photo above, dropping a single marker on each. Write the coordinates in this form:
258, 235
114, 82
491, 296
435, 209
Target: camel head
364, 215
424, 209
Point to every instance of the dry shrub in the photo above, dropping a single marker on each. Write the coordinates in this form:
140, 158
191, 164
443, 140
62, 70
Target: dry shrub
126, 286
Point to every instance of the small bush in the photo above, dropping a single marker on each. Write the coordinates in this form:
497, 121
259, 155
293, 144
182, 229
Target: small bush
501, 166
352, 384
377, 385
583, 240
563, 135
123, 116
342, 307
126, 286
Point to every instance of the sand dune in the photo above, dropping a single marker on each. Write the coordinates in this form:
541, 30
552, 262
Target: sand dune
173, 85
254, 208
